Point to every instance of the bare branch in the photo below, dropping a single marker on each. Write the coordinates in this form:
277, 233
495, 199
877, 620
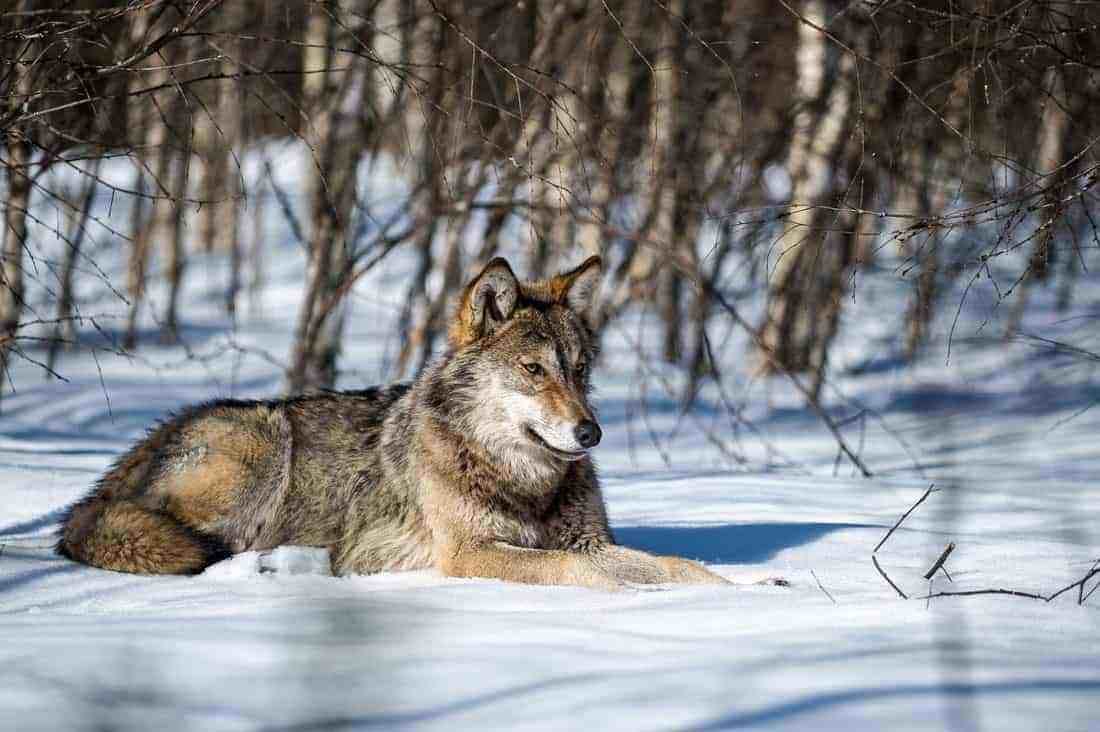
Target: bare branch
931, 489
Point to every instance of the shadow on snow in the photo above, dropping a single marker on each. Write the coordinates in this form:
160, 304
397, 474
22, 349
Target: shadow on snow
826, 700
728, 543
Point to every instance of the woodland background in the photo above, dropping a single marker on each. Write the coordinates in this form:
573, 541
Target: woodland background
796, 143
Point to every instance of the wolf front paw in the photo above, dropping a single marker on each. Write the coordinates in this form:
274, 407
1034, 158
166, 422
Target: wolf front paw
685, 571
631, 567
598, 575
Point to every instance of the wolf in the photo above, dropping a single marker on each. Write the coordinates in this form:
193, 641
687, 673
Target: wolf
480, 467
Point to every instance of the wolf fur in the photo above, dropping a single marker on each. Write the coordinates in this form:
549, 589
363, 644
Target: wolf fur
479, 467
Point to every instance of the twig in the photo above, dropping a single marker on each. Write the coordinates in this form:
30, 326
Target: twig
823, 587
930, 491
960, 593
874, 560
1081, 596
939, 562
1080, 584
811, 400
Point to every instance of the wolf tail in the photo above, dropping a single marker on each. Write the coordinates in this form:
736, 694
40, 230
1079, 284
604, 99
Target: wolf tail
125, 536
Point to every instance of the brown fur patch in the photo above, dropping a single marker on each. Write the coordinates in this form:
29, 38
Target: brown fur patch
564, 404
203, 485
125, 537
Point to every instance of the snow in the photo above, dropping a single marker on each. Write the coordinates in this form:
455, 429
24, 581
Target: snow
272, 641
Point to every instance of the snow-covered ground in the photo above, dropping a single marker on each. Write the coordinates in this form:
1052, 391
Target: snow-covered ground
244, 647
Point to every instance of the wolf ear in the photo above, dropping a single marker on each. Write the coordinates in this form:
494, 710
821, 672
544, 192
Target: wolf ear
486, 303
576, 289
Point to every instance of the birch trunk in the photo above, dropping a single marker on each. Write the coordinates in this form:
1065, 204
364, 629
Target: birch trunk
333, 96
64, 332
13, 241
1049, 160
656, 185
791, 329
152, 161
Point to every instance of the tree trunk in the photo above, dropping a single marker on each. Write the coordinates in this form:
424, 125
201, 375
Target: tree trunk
232, 120
416, 299
935, 180
657, 234
212, 148
429, 138
231, 116
333, 97
609, 107
164, 216
152, 159
258, 204
13, 240
1049, 159
800, 282
175, 255
64, 332
14, 243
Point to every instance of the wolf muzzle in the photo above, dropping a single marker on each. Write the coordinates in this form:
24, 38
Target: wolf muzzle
587, 434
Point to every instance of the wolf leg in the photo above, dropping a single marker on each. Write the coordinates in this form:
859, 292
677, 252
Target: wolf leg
497, 560
126, 537
637, 567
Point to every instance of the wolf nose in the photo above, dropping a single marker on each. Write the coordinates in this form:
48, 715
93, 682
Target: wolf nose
587, 433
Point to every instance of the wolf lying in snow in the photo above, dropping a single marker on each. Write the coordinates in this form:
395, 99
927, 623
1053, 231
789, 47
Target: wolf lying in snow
479, 467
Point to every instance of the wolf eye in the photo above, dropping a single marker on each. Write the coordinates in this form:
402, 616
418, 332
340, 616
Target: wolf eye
581, 368
533, 368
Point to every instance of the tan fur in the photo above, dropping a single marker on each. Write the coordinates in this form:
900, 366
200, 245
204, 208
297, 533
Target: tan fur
126, 537
473, 469
202, 492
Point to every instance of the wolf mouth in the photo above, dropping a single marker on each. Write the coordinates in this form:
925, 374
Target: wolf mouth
564, 454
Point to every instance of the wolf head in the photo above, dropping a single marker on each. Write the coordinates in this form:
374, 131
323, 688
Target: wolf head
516, 377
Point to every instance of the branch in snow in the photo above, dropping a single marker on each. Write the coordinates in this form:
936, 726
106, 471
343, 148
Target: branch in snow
930, 491
874, 560
1082, 596
939, 562
827, 594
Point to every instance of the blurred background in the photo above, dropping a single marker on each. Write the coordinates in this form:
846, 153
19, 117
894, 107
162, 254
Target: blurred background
739, 165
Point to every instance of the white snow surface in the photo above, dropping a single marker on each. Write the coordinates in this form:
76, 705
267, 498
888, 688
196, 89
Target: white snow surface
274, 642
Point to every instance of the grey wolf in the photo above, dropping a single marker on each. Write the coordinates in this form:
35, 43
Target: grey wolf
479, 467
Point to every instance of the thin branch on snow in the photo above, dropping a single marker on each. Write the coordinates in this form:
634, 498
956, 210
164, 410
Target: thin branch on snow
939, 562
822, 587
961, 593
931, 489
811, 400
874, 560
1079, 584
